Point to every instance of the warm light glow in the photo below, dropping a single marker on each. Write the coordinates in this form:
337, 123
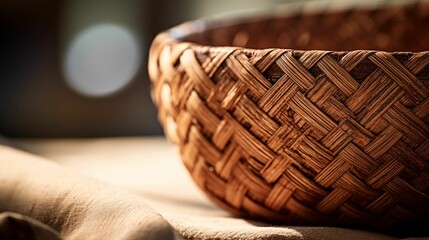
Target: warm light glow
102, 59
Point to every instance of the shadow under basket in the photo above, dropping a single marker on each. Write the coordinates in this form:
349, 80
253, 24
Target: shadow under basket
335, 133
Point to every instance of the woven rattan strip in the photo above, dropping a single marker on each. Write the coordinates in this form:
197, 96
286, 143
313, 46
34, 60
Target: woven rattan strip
337, 136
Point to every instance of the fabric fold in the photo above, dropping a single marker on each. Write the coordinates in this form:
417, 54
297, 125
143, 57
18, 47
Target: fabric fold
75, 206
18, 227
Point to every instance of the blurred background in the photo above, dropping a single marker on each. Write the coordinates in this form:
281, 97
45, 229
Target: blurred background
78, 68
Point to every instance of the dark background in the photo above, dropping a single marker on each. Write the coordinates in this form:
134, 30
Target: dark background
35, 99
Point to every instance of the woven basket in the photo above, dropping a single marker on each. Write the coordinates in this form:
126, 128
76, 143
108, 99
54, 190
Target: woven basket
333, 136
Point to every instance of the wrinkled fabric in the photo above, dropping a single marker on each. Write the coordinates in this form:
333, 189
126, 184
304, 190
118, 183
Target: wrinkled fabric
203, 228
75, 206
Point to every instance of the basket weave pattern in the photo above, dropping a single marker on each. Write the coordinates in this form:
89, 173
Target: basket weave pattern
300, 137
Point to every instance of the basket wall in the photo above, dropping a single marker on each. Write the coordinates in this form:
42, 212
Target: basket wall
301, 137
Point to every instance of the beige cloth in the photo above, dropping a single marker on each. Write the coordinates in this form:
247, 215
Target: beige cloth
76, 206
150, 168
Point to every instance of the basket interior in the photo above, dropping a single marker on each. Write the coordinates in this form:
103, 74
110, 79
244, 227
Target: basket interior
395, 28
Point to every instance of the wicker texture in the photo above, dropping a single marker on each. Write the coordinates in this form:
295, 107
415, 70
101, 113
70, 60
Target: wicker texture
303, 137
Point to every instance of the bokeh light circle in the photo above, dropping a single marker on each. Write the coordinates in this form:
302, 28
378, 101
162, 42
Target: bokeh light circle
101, 60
